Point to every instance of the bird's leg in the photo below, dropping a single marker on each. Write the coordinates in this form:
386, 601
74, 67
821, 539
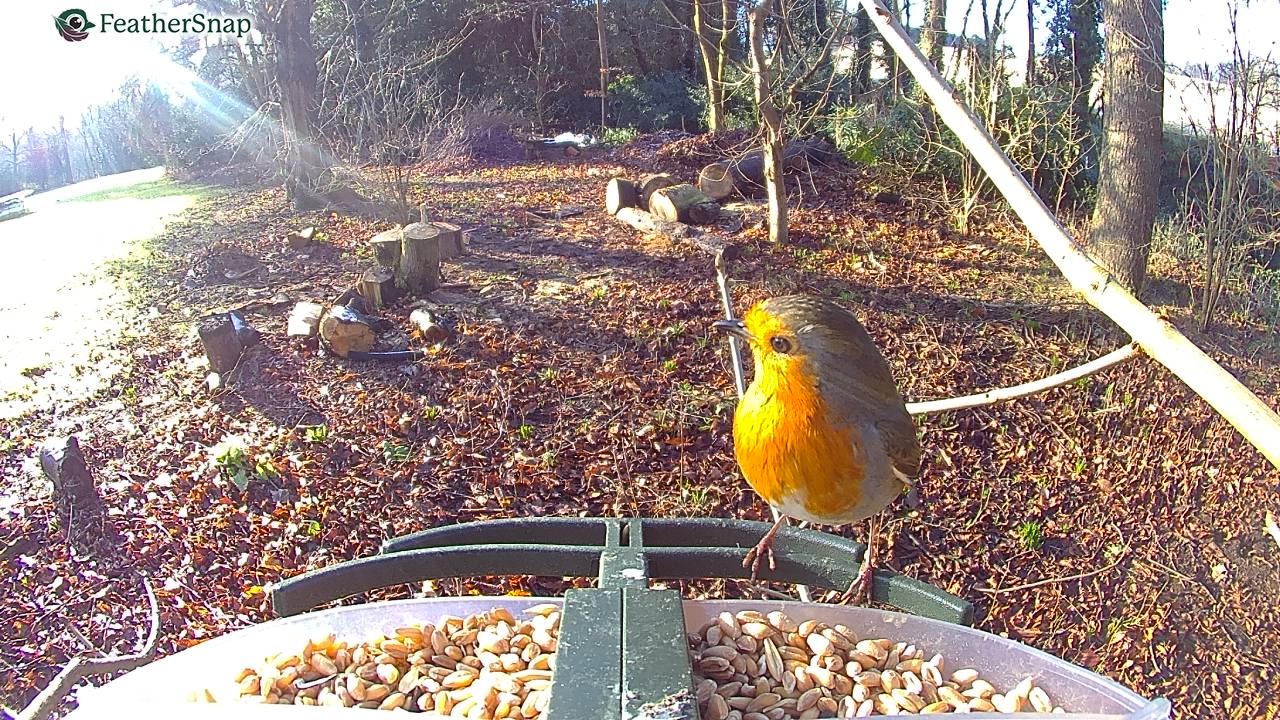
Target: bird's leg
860, 589
762, 548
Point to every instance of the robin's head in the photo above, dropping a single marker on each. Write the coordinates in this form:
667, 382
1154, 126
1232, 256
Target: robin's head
803, 335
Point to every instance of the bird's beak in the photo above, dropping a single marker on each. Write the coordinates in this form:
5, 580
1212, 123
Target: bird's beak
732, 327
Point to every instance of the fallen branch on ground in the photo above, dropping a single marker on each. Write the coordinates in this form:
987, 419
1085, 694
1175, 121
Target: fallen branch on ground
991, 397
47, 701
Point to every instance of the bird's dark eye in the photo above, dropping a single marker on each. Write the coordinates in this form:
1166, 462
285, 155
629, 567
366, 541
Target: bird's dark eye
780, 344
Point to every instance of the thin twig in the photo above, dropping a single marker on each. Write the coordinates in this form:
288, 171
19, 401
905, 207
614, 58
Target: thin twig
1051, 581
47, 701
992, 397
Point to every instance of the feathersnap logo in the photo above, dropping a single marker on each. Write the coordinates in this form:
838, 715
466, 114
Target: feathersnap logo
74, 25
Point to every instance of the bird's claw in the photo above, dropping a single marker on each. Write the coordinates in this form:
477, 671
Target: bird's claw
754, 555
859, 591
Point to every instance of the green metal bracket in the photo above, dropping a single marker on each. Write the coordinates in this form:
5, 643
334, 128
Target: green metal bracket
622, 647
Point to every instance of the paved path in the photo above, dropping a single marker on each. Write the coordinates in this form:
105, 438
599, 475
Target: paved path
57, 308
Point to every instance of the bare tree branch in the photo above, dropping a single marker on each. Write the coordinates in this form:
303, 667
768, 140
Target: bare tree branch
47, 701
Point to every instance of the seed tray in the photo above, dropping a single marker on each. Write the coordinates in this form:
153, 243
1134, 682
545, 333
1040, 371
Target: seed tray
623, 648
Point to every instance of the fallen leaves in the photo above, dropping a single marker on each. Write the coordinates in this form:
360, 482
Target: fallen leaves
583, 380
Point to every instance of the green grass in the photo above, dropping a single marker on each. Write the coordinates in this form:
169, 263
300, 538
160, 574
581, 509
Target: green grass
152, 190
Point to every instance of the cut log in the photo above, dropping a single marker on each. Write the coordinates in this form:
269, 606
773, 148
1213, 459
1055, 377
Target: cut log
716, 181
220, 340
620, 193
304, 319
451, 240
676, 231
301, 238
748, 168
650, 224
684, 203
344, 330
649, 184
378, 287
386, 247
418, 271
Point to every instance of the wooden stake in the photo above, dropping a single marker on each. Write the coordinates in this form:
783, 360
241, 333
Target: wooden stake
1259, 424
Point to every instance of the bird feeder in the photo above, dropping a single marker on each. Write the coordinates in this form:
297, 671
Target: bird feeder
623, 648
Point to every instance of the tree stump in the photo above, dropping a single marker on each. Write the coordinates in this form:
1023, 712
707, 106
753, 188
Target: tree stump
620, 193
75, 492
650, 184
418, 271
716, 181
386, 247
684, 203
451, 240
221, 342
378, 286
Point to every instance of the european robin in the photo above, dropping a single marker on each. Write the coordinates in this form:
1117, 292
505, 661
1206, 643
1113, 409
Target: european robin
822, 433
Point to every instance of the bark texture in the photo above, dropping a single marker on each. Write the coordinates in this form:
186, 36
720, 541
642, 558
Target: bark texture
1132, 139
771, 116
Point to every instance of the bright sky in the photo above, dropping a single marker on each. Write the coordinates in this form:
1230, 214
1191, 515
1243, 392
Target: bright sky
45, 75
1195, 30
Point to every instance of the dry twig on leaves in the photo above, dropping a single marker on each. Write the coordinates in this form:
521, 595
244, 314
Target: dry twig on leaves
44, 704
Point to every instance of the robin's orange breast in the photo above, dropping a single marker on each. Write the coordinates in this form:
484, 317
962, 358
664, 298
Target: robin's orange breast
793, 456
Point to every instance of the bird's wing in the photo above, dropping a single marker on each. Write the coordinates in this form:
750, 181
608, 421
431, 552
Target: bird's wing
902, 447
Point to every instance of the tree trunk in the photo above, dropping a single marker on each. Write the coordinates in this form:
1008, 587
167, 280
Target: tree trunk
716, 180
862, 56
649, 184
933, 33
771, 118
296, 75
604, 65
1082, 24
1031, 43
711, 67
1133, 132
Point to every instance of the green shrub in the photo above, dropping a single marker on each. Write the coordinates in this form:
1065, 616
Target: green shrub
668, 100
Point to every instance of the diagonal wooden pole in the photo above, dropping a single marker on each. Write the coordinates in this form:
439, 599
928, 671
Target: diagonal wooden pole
1257, 422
